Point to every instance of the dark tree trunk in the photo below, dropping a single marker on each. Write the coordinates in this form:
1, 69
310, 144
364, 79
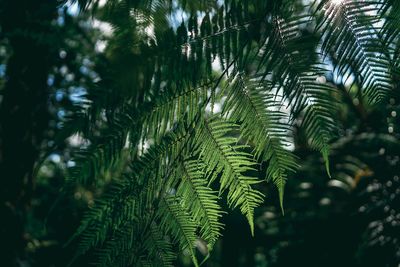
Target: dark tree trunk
24, 117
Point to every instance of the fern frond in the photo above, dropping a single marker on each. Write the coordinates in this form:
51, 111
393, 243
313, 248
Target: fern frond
223, 155
177, 222
390, 31
160, 251
172, 106
297, 71
269, 55
108, 213
349, 31
200, 200
125, 198
249, 103
92, 162
120, 248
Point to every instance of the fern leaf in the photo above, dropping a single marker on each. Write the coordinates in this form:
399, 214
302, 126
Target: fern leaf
200, 200
160, 250
348, 29
249, 104
177, 222
297, 71
126, 197
222, 155
98, 158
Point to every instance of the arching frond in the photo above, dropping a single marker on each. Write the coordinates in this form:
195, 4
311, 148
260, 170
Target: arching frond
160, 251
177, 222
93, 161
200, 200
171, 107
291, 57
126, 197
350, 32
249, 103
211, 95
223, 155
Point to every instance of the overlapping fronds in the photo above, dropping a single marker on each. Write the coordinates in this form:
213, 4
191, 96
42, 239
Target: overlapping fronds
200, 200
223, 154
177, 222
125, 197
160, 249
351, 34
249, 103
93, 161
118, 247
162, 114
296, 71
213, 96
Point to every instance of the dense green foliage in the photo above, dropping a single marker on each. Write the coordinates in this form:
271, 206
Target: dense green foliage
169, 119
200, 108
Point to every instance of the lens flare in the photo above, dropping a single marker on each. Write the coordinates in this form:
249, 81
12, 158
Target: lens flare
337, 2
